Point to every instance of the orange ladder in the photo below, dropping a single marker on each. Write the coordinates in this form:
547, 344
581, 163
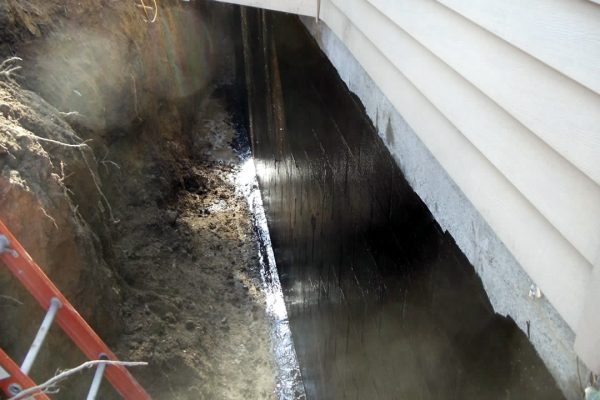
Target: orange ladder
14, 379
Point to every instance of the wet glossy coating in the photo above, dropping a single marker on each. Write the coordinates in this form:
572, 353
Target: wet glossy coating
382, 304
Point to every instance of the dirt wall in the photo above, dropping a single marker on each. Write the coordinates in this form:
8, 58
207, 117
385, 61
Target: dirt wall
98, 80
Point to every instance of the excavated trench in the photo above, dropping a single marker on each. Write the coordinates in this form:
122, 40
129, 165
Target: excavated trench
153, 224
124, 174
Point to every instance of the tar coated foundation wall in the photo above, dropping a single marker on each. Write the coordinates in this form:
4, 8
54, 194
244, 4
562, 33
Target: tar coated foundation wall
506, 282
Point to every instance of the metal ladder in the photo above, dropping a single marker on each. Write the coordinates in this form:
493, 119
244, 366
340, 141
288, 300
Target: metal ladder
14, 379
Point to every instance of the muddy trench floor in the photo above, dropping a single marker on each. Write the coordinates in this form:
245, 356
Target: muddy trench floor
194, 308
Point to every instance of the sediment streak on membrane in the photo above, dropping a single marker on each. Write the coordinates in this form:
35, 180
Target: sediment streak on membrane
289, 379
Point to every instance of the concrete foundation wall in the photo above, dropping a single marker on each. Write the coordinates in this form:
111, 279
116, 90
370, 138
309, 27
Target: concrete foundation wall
505, 281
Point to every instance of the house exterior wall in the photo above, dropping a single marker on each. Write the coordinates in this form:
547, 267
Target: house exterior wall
506, 89
506, 282
492, 110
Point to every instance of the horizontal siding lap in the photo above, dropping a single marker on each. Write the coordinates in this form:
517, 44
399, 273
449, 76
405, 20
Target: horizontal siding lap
558, 110
561, 33
557, 266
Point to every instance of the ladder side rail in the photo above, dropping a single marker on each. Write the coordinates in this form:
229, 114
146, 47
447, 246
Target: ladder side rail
17, 377
72, 323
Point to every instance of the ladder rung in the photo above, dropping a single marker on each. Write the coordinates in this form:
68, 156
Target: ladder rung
40, 337
95, 386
